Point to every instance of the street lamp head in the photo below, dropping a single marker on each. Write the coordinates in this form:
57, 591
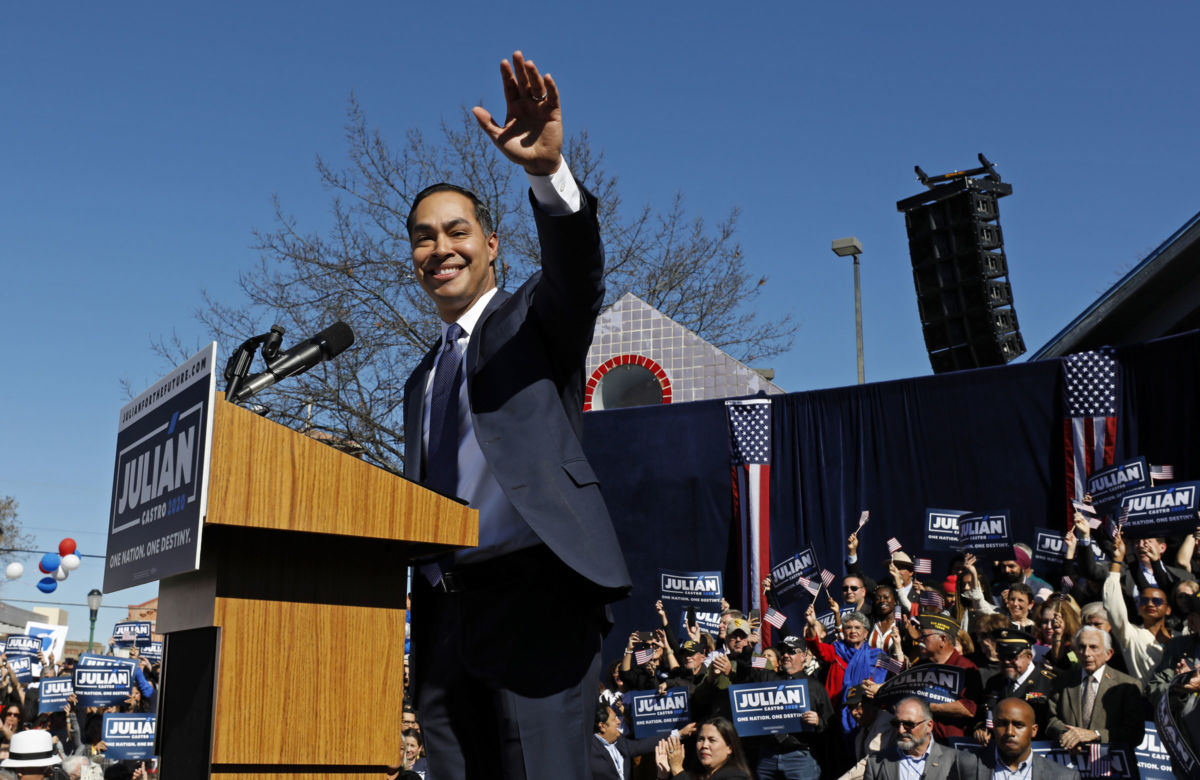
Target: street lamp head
845, 247
94, 597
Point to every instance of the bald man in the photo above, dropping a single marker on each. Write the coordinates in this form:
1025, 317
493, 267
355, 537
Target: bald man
1014, 727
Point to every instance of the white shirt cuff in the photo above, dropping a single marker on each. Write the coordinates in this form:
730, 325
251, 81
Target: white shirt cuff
557, 194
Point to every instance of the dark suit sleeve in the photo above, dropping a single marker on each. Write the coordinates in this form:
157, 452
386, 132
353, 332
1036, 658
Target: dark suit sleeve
637, 747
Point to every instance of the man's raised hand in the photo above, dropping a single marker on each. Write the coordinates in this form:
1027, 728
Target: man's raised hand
532, 133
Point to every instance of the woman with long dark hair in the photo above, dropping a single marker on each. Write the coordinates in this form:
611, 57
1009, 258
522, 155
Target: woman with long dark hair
718, 756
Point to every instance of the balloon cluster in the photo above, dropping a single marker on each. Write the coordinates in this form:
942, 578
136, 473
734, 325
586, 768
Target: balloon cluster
56, 565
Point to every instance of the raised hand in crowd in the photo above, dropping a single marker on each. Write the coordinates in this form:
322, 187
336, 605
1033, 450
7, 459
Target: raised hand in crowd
852, 545
721, 666
1070, 542
662, 613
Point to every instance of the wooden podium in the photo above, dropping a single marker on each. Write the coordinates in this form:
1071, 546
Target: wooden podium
284, 653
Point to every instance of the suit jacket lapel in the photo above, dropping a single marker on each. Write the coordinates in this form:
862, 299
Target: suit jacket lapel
473, 345
414, 418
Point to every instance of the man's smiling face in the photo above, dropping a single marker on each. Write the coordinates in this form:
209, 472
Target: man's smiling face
452, 257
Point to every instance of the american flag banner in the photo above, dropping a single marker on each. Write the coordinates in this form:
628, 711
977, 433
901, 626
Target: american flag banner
643, 656
885, 661
750, 471
774, 617
1089, 417
893, 544
1162, 473
923, 566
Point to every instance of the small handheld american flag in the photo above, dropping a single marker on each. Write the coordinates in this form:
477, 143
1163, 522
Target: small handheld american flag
893, 544
923, 566
759, 662
931, 599
885, 661
1162, 472
989, 724
774, 617
810, 586
862, 519
643, 656
827, 577
897, 613
1085, 509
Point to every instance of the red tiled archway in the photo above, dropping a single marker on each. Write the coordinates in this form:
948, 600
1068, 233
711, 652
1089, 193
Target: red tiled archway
621, 360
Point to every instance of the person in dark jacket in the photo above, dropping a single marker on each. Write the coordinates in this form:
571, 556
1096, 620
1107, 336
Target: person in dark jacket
793, 756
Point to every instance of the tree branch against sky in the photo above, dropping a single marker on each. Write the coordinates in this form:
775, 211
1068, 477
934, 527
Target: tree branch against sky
359, 270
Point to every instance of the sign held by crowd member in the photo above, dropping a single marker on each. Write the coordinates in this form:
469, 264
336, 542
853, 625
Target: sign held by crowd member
1049, 551
932, 682
22, 644
655, 715
1113, 762
160, 478
769, 708
941, 528
1153, 760
785, 575
102, 681
701, 589
129, 633
21, 667
53, 693
985, 532
1106, 485
153, 652
1161, 511
53, 637
129, 735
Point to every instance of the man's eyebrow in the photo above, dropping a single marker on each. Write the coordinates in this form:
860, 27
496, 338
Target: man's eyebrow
456, 221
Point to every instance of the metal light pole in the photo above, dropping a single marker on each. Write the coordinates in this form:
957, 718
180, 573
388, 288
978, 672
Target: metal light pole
94, 597
845, 247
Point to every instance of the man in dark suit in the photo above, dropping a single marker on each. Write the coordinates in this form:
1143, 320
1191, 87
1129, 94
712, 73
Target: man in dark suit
612, 752
914, 747
1011, 752
1111, 712
493, 414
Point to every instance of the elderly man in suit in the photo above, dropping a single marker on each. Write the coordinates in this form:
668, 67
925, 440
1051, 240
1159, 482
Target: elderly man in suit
1011, 754
914, 754
1101, 705
493, 414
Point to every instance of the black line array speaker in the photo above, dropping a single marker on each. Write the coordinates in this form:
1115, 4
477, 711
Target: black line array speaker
961, 274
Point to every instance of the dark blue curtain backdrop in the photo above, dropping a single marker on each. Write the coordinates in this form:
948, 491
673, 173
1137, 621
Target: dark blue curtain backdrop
983, 440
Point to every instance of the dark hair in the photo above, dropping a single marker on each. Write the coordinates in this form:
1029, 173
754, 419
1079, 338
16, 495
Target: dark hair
1021, 587
602, 711
415, 734
737, 756
483, 214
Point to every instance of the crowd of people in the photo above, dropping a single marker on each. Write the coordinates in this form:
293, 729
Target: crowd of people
1077, 663
67, 743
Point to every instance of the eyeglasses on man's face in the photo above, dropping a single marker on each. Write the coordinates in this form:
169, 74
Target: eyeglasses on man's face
906, 725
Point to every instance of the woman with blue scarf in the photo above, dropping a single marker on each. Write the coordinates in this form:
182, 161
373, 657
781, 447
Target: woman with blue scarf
850, 659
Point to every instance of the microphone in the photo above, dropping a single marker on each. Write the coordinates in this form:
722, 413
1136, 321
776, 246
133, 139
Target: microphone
327, 344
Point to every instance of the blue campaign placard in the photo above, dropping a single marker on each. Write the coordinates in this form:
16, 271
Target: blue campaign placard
709, 622
1120, 765
152, 652
1161, 511
932, 682
769, 708
53, 693
160, 476
700, 589
1049, 551
785, 575
985, 532
22, 644
22, 668
102, 686
656, 716
941, 528
95, 659
128, 633
129, 735
1105, 486
1153, 760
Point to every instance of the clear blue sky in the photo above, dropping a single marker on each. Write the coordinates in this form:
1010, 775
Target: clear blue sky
140, 143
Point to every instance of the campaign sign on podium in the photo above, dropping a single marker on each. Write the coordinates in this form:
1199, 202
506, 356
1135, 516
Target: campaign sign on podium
160, 480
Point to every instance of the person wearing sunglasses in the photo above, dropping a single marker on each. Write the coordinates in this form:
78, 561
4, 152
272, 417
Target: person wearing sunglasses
1142, 646
914, 754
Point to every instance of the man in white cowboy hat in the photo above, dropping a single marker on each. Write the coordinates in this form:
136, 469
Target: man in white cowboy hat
31, 754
